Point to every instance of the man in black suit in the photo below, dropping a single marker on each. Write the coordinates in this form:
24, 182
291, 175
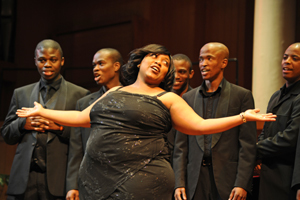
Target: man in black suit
278, 140
106, 67
218, 166
39, 166
183, 73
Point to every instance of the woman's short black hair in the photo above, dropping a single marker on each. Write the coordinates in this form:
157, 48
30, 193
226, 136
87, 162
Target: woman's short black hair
129, 71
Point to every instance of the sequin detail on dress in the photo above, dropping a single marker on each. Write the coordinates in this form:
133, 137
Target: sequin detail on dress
126, 149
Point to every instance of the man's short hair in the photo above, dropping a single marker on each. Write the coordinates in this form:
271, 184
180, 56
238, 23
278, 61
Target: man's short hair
48, 43
115, 54
181, 56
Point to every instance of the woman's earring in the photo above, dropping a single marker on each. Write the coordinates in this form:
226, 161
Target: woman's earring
139, 65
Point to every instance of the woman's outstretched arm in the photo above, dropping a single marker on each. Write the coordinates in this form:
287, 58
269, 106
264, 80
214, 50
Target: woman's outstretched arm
187, 121
64, 117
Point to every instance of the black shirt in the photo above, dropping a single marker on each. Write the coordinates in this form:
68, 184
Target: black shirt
210, 103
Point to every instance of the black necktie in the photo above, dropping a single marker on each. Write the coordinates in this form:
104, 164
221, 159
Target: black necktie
47, 93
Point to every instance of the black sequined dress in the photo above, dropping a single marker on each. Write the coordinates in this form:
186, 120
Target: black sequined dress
127, 150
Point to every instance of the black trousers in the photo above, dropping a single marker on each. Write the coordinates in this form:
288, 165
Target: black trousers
206, 188
37, 189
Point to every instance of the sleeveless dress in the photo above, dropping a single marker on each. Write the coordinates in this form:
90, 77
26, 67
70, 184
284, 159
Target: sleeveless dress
126, 155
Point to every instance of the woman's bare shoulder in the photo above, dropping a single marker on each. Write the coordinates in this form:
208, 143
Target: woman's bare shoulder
114, 88
171, 95
170, 98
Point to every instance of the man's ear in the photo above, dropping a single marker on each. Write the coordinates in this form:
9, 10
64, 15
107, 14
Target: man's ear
62, 62
191, 74
117, 66
224, 63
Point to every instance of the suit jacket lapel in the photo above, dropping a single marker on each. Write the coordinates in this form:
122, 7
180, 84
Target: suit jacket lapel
276, 102
96, 95
222, 109
34, 96
62, 96
60, 103
92, 99
198, 107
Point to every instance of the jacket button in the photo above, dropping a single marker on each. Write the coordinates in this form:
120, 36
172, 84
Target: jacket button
33, 144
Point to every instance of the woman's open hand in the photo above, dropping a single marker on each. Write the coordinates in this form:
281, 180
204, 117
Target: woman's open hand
252, 115
28, 112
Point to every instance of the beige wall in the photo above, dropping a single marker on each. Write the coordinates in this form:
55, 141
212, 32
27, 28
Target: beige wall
274, 31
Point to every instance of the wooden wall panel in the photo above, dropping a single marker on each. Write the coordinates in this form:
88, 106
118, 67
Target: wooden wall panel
182, 26
80, 46
231, 23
